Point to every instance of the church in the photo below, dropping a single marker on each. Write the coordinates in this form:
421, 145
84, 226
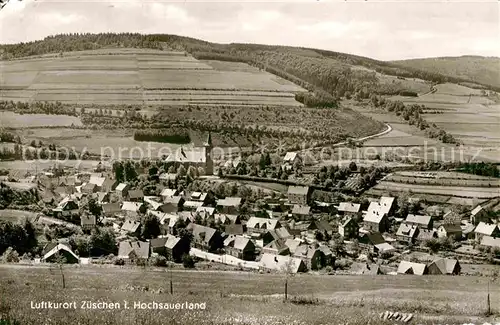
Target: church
197, 156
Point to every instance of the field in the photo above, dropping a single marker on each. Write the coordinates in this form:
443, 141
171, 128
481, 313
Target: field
16, 215
131, 76
242, 298
465, 113
14, 120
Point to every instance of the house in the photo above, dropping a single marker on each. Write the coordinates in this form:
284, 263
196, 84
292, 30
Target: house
452, 231
423, 222
131, 227
261, 225
365, 269
66, 207
276, 247
240, 247
169, 192
292, 244
192, 205
88, 222
376, 218
169, 246
133, 249
491, 242
301, 212
406, 267
451, 217
299, 194
370, 240
98, 182
278, 233
321, 225
198, 197
89, 188
133, 208
173, 204
59, 252
64, 191
387, 205
205, 238
313, 257
233, 163
229, 205
484, 229
407, 233
172, 221
346, 208
66, 181
122, 190
135, 195
479, 214
109, 185
111, 209
227, 219
291, 158
101, 197
349, 228
283, 264
205, 212
443, 266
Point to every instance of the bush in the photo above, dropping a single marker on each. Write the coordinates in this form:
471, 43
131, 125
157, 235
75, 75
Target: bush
158, 260
119, 261
188, 261
342, 264
10, 256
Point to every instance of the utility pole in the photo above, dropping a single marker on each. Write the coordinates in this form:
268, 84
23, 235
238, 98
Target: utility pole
171, 282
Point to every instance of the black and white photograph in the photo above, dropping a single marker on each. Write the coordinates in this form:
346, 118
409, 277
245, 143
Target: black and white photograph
294, 162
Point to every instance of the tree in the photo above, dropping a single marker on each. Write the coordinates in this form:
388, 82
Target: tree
130, 172
188, 261
181, 171
153, 170
352, 166
151, 227
94, 208
119, 171
102, 242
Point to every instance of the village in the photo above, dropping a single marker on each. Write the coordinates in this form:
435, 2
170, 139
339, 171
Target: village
137, 216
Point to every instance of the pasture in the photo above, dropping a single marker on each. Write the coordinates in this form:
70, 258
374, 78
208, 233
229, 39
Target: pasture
241, 298
16, 215
129, 76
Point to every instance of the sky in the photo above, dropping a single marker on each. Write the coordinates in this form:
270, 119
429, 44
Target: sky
383, 29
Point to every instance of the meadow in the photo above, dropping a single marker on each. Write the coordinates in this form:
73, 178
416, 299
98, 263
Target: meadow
129, 76
15, 120
241, 298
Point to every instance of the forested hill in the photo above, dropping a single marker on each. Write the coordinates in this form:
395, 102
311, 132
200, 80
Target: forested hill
483, 70
331, 75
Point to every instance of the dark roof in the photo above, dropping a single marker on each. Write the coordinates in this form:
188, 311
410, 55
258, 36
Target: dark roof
111, 207
301, 190
234, 229
301, 209
88, 220
135, 194
452, 228
202, 233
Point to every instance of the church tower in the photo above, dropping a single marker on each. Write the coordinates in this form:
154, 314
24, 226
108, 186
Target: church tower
209, 163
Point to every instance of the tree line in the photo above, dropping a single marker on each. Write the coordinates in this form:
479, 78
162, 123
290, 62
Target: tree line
171, 135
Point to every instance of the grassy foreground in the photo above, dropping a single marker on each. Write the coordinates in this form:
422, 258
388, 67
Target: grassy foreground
239, 298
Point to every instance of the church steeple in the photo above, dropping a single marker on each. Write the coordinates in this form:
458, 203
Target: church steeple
209, 164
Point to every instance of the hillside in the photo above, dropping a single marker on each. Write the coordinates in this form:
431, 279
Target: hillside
483, 70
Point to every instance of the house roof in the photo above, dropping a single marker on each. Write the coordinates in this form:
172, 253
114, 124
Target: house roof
121, 186
197, 196
278, 245
292, 244
322, 225
426, 234
490, 241
168, 176
193, 204
225, 218
305, 251
406, 267
205, 211
59, 247
349, 207
234, 229
451, 229
168, 192
485, 229
299, 190
281, 263
135, 194
173, 199
140, 248
131, 206
88, 220
407, 230
262, 223
233, 162
238, 242
202, 233
290, 156
365, 268
476, 210
229, 202
101, 196
445, 265
130, 226
374, 213
374, 238
279, 233
386, 203
419, 220
301, 209
194, 155
385, 247
98, 181
89, 186
347, 221
168, 241
111, 207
